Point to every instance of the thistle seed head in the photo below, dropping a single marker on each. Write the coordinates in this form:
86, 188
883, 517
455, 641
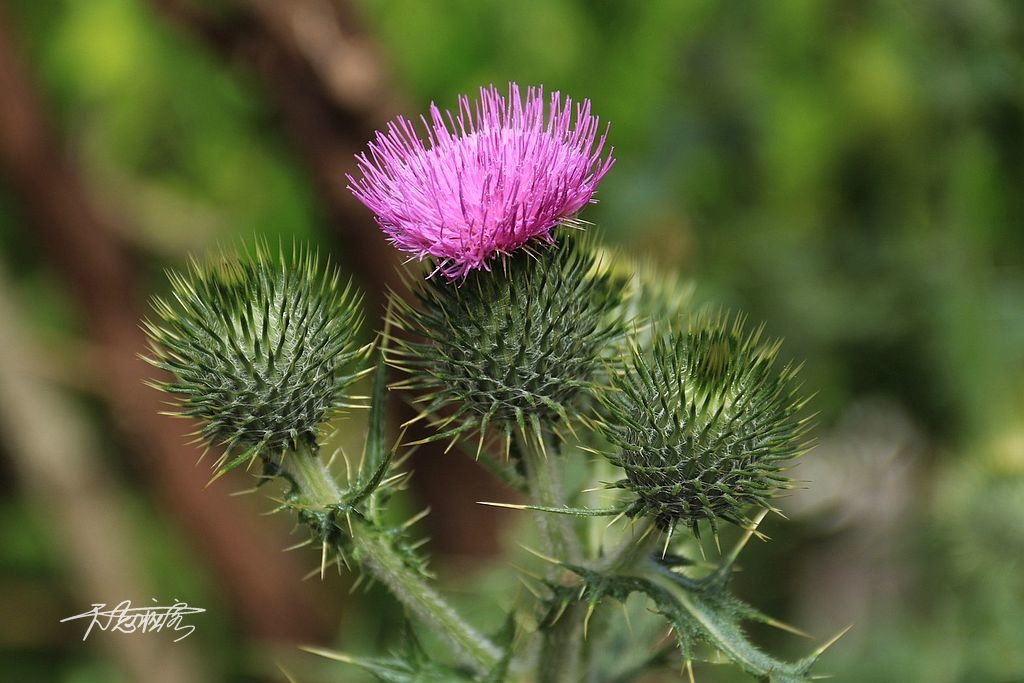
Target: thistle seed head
518, 345
262, 350
702, 425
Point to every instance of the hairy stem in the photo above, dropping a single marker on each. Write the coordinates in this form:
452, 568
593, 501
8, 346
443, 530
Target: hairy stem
561, 648
319, 489
544, 482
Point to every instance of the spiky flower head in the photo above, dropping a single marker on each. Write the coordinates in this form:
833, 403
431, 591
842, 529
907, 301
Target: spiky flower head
703, 425
262, 350
517, 347
491, 177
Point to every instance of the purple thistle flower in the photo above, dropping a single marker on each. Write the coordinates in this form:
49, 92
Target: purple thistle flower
494, 176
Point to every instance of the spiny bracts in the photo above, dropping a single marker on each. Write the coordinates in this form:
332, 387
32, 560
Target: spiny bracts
517, 346
262, 350
702, 425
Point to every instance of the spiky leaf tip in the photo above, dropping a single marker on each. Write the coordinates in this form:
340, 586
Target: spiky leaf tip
520, 345
262, 349
703, 425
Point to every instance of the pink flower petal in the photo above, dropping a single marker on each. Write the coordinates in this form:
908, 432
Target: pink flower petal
488, 179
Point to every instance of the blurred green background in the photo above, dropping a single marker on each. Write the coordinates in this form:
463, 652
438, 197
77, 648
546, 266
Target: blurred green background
850, 172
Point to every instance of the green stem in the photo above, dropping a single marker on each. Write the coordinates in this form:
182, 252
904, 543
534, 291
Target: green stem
561, 648
544, 483
561, 651
319, 489
636, 546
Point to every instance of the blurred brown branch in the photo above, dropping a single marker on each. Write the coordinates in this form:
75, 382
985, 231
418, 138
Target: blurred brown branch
99, 276
348, 63
54, 454
327, 109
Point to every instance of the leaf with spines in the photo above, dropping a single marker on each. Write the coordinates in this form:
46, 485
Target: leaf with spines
702, 425
262, 350
409, 664
701, 612
412, 664
512, 348
361, 503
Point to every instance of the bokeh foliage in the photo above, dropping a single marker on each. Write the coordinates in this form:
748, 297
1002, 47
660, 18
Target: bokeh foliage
849, 172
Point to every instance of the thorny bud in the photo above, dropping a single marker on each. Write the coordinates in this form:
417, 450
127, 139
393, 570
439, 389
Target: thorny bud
517, 346
262, 350
702, 425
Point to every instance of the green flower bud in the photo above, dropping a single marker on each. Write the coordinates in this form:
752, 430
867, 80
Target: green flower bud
650, 294
514, 346
262, 350
702, 425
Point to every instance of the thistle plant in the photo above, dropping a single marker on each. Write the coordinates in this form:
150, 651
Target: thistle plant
525, 330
